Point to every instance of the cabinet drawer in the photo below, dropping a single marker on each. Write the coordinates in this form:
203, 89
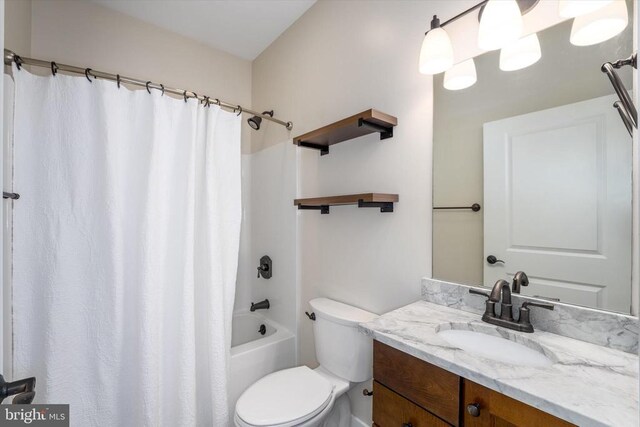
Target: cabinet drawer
424, 384
392, 410
496, 409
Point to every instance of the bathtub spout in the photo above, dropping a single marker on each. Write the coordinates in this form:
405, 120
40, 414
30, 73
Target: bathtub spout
262, 305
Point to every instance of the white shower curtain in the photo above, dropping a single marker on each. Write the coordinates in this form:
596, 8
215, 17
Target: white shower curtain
125, 250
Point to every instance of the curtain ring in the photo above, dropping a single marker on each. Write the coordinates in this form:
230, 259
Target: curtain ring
239, 110
217, 101
147, 86
118, 80
185, 96
162, 87
206, 101
87, 73
54, 68
18, 61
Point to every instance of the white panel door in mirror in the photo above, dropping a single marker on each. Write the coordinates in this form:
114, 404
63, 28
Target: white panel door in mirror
557, 189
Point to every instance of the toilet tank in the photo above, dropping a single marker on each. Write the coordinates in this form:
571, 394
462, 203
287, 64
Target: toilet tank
340, 347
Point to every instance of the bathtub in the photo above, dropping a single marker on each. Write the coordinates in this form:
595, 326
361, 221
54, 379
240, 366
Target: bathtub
254, 355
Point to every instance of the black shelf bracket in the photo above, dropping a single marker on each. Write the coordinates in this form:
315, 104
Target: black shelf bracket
385, 132
384, 206
324, 209
324, 149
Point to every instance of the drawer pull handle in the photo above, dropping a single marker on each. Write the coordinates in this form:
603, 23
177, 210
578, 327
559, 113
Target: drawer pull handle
473, 409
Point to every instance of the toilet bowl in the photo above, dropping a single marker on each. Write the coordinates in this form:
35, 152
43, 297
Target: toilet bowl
304, 397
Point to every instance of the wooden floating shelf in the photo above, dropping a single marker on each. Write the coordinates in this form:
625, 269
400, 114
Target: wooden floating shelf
365, 200
367, 122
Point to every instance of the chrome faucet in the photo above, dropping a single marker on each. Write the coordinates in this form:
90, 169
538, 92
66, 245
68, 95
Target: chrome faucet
501, 293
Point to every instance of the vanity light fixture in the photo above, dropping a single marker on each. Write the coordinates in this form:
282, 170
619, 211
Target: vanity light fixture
600, 25
573, 8
460, 76
500, 24
521, 54
436, 54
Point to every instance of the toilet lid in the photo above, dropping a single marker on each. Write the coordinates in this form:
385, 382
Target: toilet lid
288, 396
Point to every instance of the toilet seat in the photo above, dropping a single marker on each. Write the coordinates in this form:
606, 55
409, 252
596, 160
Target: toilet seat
285, 398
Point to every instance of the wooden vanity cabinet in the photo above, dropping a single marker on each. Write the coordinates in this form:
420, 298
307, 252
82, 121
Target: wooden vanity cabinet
391, 409
408, 392
498, 410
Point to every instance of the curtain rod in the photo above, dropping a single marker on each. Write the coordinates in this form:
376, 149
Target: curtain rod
10, 56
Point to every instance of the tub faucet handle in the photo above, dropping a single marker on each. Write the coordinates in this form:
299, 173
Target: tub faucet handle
265, 267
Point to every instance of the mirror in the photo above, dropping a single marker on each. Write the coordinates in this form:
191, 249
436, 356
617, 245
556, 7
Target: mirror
549, 161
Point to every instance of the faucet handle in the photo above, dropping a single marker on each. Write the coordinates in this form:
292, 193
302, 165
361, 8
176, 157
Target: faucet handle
24, 398
525, 320
544, 305
477, 292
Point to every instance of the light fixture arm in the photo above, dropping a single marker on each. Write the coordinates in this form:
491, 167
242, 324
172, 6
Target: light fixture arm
527, 6
464, 13
435, 22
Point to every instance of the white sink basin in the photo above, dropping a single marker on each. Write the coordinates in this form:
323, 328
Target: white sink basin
496, 348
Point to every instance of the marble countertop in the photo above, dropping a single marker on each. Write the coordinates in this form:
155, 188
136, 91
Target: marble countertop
587, 385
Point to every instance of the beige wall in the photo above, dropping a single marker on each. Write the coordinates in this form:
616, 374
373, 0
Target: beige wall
340, 58
88, 35
565, 74
17, 26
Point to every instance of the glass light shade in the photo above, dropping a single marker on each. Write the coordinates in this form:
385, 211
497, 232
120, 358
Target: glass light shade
500, 25
520, 54
461, 76
573, 8
436, 54
600, 25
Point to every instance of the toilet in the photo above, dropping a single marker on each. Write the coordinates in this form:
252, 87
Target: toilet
305, 397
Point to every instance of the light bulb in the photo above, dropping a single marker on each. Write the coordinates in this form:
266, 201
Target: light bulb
573, 8
520, 54
436, 54
461, 76
600, 25
500, 25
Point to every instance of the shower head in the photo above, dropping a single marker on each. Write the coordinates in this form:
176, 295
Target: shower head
255, 121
